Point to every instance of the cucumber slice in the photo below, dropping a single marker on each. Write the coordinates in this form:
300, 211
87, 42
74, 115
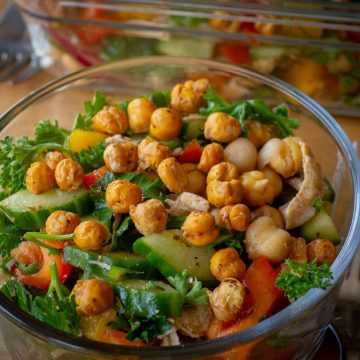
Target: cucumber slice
320, 226
149, 298
192, 128
169, 253
29, 211
81, 258
185, 47
267, 52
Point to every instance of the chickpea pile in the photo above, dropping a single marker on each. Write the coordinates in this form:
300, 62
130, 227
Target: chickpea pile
227, 196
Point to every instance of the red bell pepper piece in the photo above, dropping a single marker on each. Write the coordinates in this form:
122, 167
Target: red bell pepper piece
93, 177
192, 153
236, 53
260, 280
42, 278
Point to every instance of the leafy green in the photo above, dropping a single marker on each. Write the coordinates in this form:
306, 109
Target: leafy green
160, 98
91, 158
256, 110
297, 279
29, 269
97, 191
151, 188
190, 288
16, 155
122, 47
48, 132
104, 216
84, 121
144, 329
147, 329
175, 222
10, 236
124, 226
322, 56
230, 240
54, 308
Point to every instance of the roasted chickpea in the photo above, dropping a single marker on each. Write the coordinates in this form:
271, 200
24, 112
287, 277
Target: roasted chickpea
257, 190
274, 179
283, 156
259, 133
196, 180
222, 127
227, 263
139, 112
172, 175
227, 299
188, 97
151, 153
121, 158
39, 178
149, 217
242, 153
199, 228
91, 235
212, 154
221, 193
27, 253
62, 222
235, 217
263, 238
165, 123
224, 171
120, 194
110, 120
321, 250
93, 296
298, 250
52, 158
271, 212
69, 175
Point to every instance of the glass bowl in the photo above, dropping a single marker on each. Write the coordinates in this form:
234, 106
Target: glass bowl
294, 332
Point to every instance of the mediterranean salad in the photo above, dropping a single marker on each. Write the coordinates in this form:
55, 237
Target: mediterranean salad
164, 219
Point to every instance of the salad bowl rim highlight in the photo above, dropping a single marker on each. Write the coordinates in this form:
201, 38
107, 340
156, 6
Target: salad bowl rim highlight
263, 328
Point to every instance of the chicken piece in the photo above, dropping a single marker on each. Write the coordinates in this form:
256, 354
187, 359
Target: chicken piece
121, 139
194, 321
185, 203
171, 338
300, 209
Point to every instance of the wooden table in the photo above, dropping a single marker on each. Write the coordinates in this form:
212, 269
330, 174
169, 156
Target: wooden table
10, 94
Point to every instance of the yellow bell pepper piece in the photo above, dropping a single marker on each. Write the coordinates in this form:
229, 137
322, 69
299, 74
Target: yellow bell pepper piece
306, 75
82, 139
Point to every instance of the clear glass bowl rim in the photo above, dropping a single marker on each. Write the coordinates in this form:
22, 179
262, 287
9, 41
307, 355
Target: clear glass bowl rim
265, 327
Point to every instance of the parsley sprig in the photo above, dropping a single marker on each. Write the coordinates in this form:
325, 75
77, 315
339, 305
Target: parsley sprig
297, 279
190, 288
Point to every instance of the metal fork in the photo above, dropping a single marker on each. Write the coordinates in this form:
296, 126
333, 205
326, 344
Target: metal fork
17, 59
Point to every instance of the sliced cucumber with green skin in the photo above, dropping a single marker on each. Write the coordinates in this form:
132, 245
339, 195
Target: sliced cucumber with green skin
329, 193
149, 298
320, 226
267, 52
29, 211
192, 128
81, 258
169, 253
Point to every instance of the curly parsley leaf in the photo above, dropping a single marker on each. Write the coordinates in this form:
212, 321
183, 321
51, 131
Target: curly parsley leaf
256, 110
48, 132
297, 279
151, 188
160, 98
84, 121
16, 157
60, 314
10, 236
148, 329
92, 157
190, 288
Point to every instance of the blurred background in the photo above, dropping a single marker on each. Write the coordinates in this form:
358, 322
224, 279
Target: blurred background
314, 45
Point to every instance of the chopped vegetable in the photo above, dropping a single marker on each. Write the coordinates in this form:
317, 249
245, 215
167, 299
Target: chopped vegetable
297, 279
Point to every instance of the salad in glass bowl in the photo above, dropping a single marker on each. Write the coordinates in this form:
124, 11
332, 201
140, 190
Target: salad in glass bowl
164, 219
